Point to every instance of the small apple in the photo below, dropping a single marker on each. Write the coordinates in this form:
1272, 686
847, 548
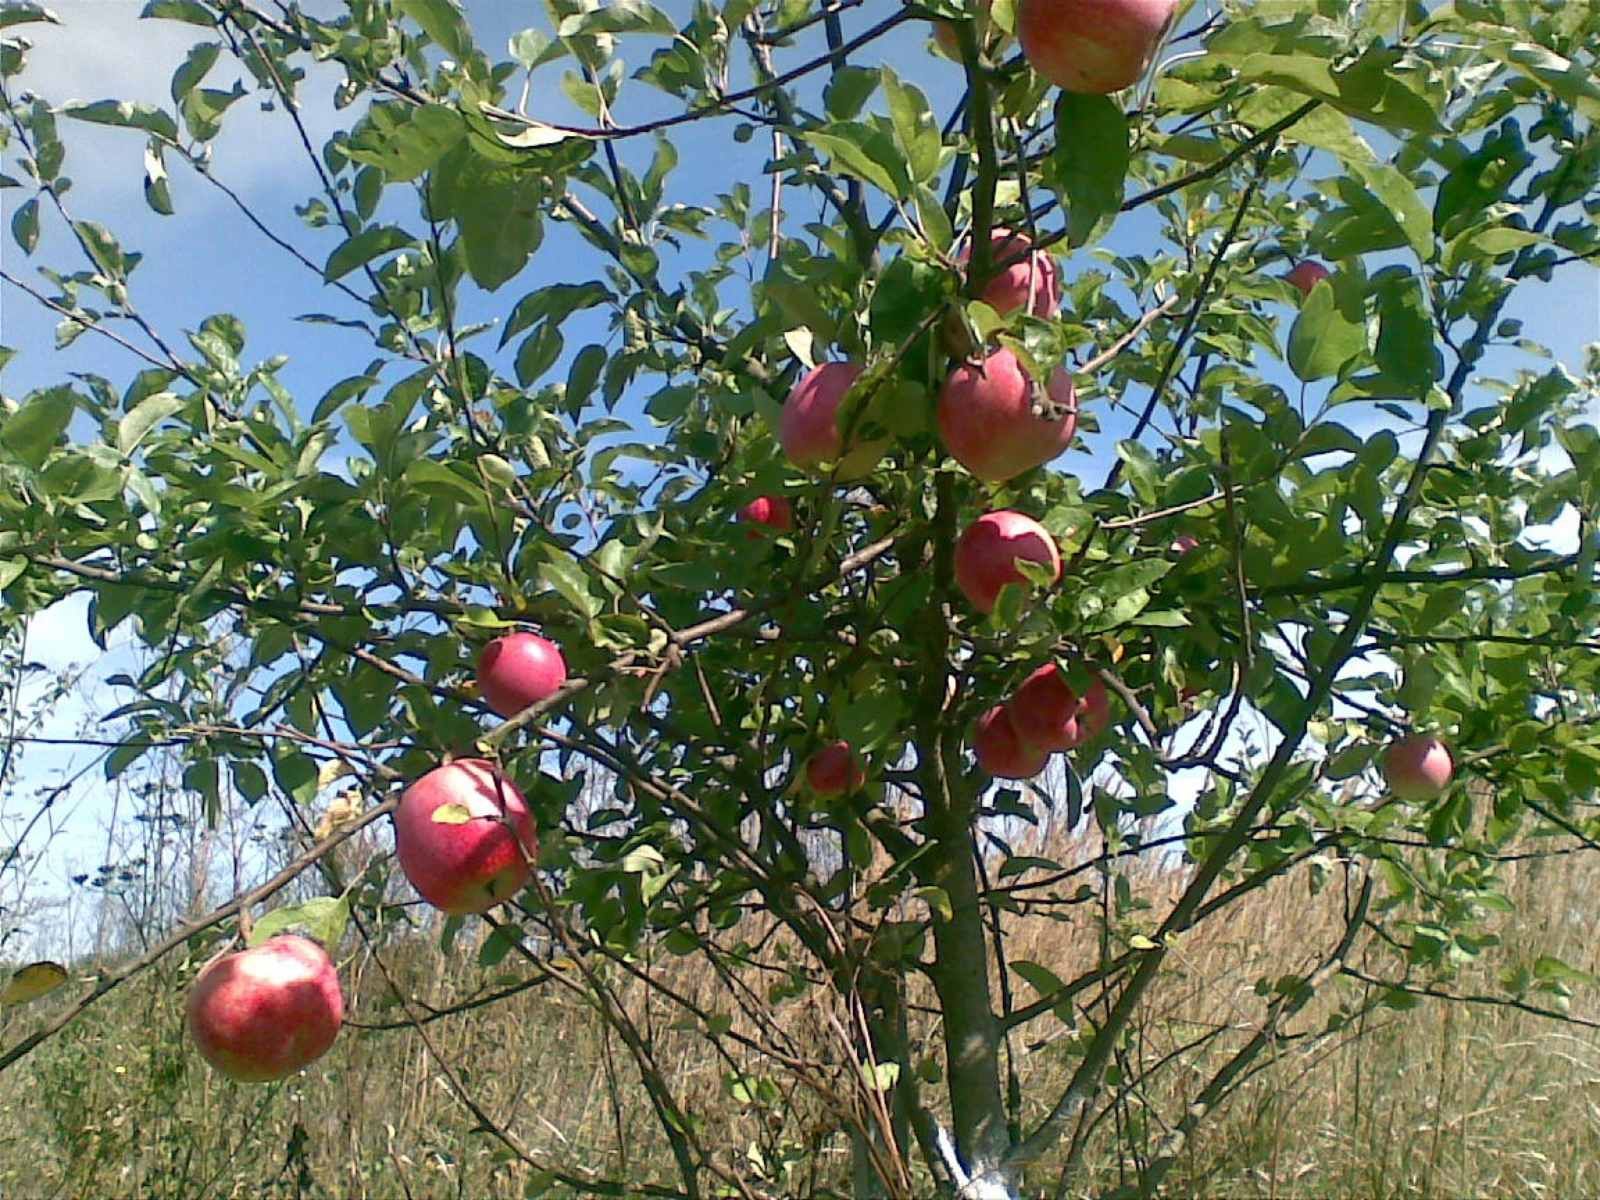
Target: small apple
1092, 46
988, 421
1044, 710
1306, 276
808, 427
1417, 767
773, 512
475, 854
834, 771
987, 553
266, 1012
1000, 749
1183, 544
519, 669
1033, 279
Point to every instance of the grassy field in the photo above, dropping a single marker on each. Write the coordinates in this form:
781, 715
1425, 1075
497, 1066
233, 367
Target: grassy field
1446, 1100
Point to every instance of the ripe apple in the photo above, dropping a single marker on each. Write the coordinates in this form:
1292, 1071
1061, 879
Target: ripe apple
986, 554
1184, 543
808, 427
264, 1013
1094, 46
519, 669
834, 771
774, 512
476, 853
1306, 276
1417, 767
1044, 710
1033, 280
987, 419
1000, 749
1094, 711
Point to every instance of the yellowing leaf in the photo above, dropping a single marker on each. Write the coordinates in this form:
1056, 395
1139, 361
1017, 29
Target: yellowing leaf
341, 811
32, 981
334, 768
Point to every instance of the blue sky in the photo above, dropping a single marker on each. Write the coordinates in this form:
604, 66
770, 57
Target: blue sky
207, 259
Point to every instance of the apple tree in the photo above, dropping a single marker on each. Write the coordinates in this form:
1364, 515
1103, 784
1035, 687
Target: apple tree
732, 347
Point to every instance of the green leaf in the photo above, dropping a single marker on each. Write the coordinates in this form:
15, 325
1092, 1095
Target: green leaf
1090, 162
444, 23
145, 416
1572, 81
25, 224
1041, 978
1324, 127
126, 114
617, 16
436, 478
848, 91
1405, 351
323, 919
1402, 203
31, 432
194, 68
296, 773
157, 192
849, 152
191, 12
1140, 466
914, 127
1553, 970
103, 248
203, 109
584, 374
249, 779
937, 900
11, 570
1327, 334
26, 13
404, 141
538, 353
497, 210
363, 248
562, 572
529, 47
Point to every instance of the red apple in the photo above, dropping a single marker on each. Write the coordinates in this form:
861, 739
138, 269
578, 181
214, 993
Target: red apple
1033, 279
774, 512
1094, 711
808, 428
834, 771
518, 670
1044, 710
1001, 750
1184, 543
988, 423
1094, 46
1417, 767
477, 852
1306, 276
266, 1012
987, 554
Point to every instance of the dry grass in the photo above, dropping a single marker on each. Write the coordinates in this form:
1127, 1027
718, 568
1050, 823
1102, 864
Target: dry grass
1448, 1100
